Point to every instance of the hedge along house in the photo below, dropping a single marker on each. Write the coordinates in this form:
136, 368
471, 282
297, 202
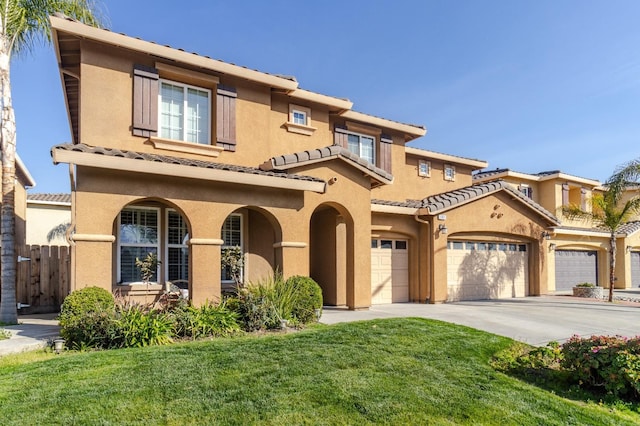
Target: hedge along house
183, 155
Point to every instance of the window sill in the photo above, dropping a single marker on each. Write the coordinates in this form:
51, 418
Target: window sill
186, 147
299, 128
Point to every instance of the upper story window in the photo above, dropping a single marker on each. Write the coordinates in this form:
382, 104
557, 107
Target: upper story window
526, 190
185, 112
362, 145
449, 172
299, 120
424, 168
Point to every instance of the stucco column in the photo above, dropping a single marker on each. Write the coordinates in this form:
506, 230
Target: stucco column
92, 261
293, 258
439, 271
359, 266
204, 270
424, 265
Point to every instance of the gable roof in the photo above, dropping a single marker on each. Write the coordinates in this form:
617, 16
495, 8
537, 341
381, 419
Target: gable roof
629, 228
312, 156
445, 201
115, 159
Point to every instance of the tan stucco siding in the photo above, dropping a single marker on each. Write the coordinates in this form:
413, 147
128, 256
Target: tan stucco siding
42, 218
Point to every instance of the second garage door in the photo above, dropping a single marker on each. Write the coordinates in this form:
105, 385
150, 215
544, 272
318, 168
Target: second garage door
486, 270
575, 267
635, 269
389, 271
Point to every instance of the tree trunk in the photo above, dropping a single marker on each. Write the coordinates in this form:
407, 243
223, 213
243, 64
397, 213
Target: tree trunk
612, 265
8, 307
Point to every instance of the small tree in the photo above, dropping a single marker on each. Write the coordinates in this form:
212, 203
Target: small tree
148, 268
232, 259
610, 210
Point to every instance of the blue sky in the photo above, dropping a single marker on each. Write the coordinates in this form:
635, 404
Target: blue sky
528, 85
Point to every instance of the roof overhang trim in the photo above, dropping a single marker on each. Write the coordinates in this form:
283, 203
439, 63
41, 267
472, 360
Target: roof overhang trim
184, 171
477, 164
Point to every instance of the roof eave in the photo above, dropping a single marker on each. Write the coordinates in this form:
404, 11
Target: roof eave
179, 170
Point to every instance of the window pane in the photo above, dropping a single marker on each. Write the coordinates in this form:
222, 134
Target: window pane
177, 229
197, 126
178, 263
354, 144
171, 111
374, 243
386, 244
231, 231
401, 245
129, 272
366, 151
299, 118
470, 245
457, 245
138, 226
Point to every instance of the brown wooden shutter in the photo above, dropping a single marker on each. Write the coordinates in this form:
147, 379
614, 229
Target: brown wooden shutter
340, 137
384, 156
145, 101
565, 194
226, 117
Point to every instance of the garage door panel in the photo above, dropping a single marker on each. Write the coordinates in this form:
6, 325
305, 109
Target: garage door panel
490, 272
389, 272
635, 269
575, 267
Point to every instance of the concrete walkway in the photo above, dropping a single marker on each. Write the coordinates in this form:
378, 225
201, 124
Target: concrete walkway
32, 332
534, 320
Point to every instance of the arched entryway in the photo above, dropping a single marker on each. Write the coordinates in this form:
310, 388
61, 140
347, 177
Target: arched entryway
256, 231
332, 253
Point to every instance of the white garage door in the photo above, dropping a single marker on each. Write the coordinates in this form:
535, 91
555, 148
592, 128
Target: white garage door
389, 271
575, 267
635, 269
484, 270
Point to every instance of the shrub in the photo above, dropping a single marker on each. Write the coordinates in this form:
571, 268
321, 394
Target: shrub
137, 328
205, 321
587, 285
90, 304
605, 362
255, 307
307, 298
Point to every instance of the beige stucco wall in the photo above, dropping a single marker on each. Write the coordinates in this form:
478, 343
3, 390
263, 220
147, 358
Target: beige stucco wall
42, 218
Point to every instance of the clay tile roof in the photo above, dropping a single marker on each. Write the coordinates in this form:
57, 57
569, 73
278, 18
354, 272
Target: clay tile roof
180, 161
629, 228
412, 204
284, 162
444, 201
489, 173
50, 198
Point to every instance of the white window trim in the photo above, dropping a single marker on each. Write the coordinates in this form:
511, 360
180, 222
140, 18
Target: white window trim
185, 86
303, 129
361, 135
453, 170
241, 247
120, 244
168, 245
428, 166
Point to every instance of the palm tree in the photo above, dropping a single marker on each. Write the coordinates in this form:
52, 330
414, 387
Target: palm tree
22, 24
610, 210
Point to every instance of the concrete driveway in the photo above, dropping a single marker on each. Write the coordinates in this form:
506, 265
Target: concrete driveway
534, 320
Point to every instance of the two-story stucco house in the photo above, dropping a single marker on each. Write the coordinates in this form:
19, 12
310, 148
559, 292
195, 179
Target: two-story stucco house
578, 250
183, 155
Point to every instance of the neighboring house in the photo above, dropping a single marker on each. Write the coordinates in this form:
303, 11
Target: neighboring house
183, 155
579, 251
24, 180
48, 217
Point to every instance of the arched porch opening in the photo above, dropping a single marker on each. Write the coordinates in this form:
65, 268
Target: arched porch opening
331, 254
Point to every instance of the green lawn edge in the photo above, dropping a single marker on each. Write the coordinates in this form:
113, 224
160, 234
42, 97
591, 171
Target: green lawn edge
391, 371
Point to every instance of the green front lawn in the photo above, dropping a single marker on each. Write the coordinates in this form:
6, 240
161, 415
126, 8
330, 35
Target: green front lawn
397, 371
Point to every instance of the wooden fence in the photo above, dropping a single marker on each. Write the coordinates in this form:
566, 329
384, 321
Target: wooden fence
42, 281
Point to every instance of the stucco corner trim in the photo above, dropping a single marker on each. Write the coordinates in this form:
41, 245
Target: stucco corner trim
293, 244
186, 147
94, 238
206, 242
382, 208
